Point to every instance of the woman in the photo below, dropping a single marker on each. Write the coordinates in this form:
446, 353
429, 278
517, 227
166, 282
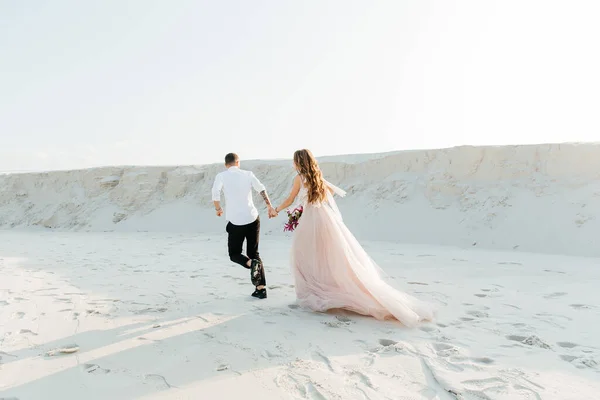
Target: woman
331, 269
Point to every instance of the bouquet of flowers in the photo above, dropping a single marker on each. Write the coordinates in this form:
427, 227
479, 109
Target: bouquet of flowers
293, 218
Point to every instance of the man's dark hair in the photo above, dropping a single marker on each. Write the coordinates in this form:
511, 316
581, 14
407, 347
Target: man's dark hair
231, 158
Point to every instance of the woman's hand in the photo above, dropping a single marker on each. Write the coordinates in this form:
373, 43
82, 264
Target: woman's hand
272, 212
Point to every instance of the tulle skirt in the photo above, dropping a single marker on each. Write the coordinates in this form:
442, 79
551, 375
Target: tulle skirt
333, 271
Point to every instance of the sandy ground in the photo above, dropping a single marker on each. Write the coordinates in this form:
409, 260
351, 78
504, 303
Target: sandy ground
151, 316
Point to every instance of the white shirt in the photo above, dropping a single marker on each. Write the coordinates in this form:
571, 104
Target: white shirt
237, 185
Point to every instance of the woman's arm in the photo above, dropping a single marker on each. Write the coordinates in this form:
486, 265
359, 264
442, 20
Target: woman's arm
288, 202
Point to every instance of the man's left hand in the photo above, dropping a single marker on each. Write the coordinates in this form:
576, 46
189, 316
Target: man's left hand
219, 212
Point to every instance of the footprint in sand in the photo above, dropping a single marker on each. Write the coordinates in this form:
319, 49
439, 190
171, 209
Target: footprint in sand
478, 314
556, 272
341, 322
567, 345
581, 306
509, 263
568, 358
482, 384
320, 357
494, 290
332, 324
361, 378
151, 310
532, 340
235, 278
94, 369
555, 295
445, 349
343, 318
18, 315
270, 355
582, 363
158, 381
387, 342
290, 384
68, 349
483, 360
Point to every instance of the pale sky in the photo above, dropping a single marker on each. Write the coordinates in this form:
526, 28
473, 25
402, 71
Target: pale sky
114, 82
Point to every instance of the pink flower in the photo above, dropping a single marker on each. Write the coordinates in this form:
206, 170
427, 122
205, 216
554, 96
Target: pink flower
293, 218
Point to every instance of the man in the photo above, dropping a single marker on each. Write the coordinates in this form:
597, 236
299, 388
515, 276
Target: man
242, 216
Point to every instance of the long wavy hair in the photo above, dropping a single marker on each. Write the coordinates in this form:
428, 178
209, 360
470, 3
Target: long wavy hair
309, 170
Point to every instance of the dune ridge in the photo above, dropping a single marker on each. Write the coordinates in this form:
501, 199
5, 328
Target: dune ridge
539, 198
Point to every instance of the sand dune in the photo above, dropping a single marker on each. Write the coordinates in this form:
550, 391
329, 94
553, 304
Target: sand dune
541, 198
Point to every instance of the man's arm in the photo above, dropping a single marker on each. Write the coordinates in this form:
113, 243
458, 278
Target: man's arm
216, 195
260, 188
265, 196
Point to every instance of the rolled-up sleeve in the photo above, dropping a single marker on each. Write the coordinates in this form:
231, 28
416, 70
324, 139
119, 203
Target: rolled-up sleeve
217, 187
256, 184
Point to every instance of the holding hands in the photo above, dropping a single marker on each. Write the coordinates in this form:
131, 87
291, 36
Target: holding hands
272, 212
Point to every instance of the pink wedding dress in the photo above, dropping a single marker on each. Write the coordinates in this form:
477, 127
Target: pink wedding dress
333, 271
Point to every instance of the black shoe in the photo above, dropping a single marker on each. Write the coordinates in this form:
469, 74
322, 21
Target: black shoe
260, 293
256, 269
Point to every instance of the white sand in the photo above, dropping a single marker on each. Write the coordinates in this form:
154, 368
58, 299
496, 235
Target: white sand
167, 316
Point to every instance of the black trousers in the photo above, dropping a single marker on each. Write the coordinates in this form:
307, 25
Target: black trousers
250, 233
